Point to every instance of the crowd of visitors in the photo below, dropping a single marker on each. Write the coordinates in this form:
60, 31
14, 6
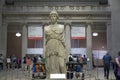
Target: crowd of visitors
13, 62
75, 65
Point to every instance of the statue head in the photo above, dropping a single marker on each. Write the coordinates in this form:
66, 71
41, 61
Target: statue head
54, 13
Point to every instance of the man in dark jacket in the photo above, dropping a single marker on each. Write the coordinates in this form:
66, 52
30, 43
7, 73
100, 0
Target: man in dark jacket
106, 60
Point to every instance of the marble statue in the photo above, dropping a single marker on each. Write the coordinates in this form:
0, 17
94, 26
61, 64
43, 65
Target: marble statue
55, 49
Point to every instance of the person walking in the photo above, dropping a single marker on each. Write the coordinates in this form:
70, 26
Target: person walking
1, 61
117, 67
107, 60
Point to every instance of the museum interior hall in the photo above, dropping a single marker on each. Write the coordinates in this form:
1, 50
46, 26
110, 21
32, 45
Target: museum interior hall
38, 36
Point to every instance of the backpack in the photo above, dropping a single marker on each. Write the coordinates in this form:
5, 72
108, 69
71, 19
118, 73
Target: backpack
70, 58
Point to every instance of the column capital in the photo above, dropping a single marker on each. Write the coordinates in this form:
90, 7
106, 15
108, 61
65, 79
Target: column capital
45, 23
25, 24
108, 23
67, 23
89, 23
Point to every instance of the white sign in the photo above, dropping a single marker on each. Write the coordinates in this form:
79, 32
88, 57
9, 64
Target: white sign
78, 51
35, 32
78, 32
35, 51
98, 54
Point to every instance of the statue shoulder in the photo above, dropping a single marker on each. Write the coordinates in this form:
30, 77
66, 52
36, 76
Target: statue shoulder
47, 28
61, 26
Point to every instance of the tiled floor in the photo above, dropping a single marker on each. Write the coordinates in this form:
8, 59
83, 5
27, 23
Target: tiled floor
95, 74
98, 74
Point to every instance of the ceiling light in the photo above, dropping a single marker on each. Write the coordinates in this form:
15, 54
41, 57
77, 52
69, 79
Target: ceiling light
95, 34
18, 34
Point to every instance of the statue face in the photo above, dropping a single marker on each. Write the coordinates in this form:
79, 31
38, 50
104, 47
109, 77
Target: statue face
53, 18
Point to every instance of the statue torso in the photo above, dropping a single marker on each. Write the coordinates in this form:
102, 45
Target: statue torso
54, 29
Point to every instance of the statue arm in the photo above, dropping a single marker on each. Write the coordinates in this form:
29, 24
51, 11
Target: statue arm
63, 37
66, 50
46, 31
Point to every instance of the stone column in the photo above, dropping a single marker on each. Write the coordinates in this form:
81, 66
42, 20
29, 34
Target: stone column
89, 45
68, 37
0, 30
3, 40
109, 38
44, 24
115, 16
1, 7
24, 40
2, 2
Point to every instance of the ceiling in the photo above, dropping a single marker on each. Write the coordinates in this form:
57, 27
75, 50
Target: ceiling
100, 2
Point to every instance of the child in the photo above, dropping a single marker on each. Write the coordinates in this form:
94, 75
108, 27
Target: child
41, 70
35, 74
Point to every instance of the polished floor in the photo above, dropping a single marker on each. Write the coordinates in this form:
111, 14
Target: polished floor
17, 74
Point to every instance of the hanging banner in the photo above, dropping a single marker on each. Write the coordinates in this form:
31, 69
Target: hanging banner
78, 32
35, 32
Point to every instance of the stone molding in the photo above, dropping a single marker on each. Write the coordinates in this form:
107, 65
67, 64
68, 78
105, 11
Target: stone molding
25, 9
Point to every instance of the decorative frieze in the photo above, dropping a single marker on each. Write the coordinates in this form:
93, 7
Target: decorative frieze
35, 9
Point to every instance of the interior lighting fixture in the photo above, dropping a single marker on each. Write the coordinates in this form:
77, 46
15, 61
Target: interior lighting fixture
95, 34
18, 34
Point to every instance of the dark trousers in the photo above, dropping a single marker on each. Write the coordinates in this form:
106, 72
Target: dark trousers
115, 73
69, 75
106, 70
1, 66
117, 77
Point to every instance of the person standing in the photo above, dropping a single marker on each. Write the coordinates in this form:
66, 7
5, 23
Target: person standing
28, 62
117, 67
80, 58
8, 62
24, 63
84, 62
14, 60
107, 60
55, 49
1, 61
70, 58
